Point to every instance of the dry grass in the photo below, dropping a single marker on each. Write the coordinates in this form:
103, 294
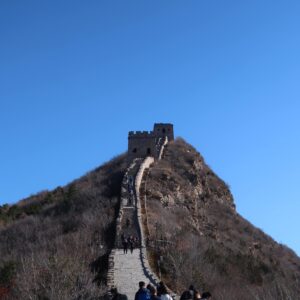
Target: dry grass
209, 244
59, 241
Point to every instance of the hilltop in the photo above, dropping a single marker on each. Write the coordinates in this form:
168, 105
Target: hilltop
55, 245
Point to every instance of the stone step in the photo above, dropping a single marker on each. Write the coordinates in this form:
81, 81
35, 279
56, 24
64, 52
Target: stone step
128, 272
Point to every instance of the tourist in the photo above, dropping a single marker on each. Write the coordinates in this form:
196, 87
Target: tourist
188, 294
136, 241
153, 292
192, 290
163, 292
125, 245
206, 295
142, 293
131, 244
116, 295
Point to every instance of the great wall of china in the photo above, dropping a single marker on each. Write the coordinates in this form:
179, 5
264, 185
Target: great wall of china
126, 270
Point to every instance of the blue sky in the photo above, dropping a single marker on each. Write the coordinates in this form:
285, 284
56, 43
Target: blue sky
76, 76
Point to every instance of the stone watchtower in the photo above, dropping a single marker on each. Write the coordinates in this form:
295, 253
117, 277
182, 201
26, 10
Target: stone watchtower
143, 143
164, 130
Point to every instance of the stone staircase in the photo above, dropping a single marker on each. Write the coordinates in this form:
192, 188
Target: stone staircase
128, 184
126, 270
127, 223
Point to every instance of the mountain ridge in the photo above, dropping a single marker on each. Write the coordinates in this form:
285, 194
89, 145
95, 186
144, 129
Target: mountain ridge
202, 223
197, 212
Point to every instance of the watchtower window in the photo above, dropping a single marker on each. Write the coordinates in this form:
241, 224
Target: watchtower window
134, 150
148, 151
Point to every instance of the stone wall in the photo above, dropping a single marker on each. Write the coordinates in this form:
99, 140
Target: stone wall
124, 198
164, 130
141, 144
142, 168
138, 180
123, 203
110, 282
162, 148
148, 143
145, 165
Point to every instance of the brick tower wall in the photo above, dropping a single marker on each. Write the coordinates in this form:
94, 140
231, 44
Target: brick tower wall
164, 129
141, 144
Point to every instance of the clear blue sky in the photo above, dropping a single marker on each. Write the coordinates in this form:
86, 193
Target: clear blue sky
76, 76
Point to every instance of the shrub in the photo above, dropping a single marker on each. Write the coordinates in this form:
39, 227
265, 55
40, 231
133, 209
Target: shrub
7, 272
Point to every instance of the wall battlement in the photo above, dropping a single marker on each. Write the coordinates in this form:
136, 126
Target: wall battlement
148, 143
140, 134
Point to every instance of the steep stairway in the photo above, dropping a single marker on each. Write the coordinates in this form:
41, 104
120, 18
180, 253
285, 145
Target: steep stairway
126, 270
128, 222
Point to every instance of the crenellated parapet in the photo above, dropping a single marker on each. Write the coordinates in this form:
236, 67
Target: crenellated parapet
141, 134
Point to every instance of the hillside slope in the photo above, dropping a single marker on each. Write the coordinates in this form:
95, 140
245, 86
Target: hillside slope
193, 224
55, 245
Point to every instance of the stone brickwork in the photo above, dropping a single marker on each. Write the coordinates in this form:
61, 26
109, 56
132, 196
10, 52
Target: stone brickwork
164, 130
148, 143
162, 147
128, 203
152, 277
126, 270
145, 165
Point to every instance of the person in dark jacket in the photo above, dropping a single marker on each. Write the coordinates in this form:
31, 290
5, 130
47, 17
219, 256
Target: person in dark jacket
116, 295
188, 294
162, 291
125, 246
153, 292
206, 295
142, 293
192, 290
131, 243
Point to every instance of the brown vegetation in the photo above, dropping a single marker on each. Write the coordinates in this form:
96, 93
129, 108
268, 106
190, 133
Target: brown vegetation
55, 245
194, 226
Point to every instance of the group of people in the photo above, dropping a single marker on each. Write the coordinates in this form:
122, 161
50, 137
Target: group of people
150, 292
192, 294
129, 243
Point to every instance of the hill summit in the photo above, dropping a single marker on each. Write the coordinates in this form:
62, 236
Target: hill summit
59, 244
